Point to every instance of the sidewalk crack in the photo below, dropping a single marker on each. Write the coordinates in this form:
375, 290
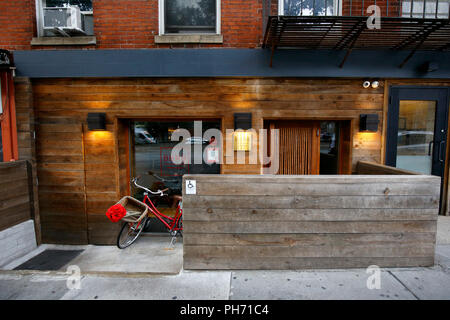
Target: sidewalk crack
408, 289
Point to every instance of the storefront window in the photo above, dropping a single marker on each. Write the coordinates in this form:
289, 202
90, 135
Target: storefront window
152, 148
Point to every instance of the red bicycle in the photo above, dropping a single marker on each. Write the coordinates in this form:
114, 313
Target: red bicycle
130, 231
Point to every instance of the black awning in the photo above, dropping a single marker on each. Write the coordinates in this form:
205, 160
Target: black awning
348, 33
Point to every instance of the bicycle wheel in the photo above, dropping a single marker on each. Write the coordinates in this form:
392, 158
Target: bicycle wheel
129, 233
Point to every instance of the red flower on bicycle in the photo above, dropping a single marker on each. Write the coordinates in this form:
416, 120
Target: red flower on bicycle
116, 212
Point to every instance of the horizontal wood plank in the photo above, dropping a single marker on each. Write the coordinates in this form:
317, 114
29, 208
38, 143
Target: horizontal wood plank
309, 226
276, 263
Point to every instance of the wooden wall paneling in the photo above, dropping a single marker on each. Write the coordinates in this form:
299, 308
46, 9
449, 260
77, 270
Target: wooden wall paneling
15, 201
101, 182
25, 115
60, 101
60, 170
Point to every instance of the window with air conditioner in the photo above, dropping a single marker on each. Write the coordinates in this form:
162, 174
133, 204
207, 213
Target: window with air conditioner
68, 18
189, 16
310, 7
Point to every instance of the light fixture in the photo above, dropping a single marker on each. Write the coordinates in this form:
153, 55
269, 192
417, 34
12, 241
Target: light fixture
96, 121
242, 138
242, 121
368, 122
375, 84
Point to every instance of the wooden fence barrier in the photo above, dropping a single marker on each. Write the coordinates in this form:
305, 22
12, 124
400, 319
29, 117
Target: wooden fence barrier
297, 222
16, 198
365, 167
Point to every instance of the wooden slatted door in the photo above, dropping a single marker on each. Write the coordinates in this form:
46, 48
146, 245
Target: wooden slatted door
299, 147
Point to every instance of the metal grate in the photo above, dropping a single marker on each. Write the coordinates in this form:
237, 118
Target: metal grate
348, 33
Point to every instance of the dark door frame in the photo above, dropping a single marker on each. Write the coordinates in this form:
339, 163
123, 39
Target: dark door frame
396, 93
442, 95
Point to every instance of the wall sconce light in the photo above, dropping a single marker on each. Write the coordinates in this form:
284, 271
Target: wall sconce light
96, 121
366, 84
368, 123
242, 139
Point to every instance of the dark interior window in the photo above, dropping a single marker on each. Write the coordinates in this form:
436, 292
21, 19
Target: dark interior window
152, 147
84, 5
329, 146
190, 16
309, 7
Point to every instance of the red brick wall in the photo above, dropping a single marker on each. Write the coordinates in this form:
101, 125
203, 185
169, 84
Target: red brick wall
128, 24
125, 24
16, 24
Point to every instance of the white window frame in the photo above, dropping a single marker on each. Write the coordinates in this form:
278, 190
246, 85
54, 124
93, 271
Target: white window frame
162, 15
421, 15
40, 5
335, 2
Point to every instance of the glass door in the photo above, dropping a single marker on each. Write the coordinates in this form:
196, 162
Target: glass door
417, 129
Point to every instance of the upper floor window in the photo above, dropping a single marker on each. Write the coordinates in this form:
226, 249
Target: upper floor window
426, 9
310, 7
189, 16
64, 18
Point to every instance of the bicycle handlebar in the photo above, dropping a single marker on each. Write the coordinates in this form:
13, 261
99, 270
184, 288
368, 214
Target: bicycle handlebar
159, 192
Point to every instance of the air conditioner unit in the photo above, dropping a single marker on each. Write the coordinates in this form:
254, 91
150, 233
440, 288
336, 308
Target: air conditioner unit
65, 21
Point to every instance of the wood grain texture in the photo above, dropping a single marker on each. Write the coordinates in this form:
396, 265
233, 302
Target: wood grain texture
15, 194
296, 222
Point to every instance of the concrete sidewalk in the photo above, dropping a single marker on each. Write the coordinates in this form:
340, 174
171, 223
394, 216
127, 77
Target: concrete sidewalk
109, 273
408, 283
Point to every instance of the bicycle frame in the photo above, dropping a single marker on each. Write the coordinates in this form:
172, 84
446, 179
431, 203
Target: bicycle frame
174, 222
